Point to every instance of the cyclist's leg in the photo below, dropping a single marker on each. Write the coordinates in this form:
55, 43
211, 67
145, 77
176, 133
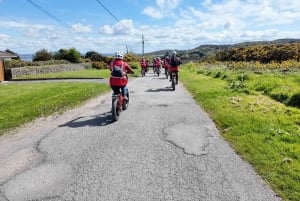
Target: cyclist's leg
115, 89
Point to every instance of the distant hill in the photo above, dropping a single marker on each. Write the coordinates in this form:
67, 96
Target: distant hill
206, 50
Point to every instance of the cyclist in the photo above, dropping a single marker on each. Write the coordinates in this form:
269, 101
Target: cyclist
143, 64
157, 64
119, 69
166, 64
174, 65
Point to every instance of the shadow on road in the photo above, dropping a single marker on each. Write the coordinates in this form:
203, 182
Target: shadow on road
159, 89
99, 120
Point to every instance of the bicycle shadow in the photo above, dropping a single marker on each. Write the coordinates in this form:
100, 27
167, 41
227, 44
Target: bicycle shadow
98, 120
159, 89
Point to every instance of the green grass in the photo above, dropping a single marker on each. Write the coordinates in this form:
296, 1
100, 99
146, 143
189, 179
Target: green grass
262, 129
88, 73
22, 103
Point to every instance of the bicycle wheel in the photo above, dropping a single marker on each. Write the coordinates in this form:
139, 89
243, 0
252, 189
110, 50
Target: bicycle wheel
115, 110
126, 102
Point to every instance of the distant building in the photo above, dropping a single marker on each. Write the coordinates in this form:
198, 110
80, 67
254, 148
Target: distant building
4, 56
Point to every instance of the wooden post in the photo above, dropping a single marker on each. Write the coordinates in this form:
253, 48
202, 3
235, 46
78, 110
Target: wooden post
2, 72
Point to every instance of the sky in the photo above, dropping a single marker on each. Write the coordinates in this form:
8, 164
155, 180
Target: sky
107, 26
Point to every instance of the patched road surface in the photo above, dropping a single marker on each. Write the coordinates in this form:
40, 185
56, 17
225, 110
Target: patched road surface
164, 147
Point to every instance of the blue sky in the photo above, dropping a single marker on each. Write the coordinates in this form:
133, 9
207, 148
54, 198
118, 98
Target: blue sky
27, 26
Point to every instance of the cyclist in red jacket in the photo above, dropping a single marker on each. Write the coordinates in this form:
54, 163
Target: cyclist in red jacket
166, 64
143, 63
119, 69
174, 65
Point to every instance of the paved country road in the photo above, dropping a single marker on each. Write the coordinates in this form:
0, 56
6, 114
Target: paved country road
164, 147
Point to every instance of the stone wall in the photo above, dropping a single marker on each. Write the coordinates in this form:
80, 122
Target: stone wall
37, 70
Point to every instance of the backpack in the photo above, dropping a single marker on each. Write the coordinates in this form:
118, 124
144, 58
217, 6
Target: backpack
117, 71
174, 62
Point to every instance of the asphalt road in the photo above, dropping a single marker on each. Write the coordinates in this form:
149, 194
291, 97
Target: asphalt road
164, 147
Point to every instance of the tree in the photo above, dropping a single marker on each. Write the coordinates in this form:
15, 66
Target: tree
73, 55
42, 55
89, 54
61, 54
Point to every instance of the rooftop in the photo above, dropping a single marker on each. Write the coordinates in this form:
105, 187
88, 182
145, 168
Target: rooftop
4, 55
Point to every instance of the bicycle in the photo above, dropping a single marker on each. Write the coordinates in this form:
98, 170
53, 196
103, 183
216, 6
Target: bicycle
173, 80
119, 103
143, 71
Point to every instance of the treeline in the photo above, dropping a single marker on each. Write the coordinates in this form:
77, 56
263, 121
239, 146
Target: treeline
71, 55
74, 56
262, 53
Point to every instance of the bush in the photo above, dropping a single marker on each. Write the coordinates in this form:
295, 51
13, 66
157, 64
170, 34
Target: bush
73, 55
130, 58
134, 66
19, 63
42, 55
100, 65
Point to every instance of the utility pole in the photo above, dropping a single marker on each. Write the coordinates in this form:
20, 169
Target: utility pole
143, 43
297, 51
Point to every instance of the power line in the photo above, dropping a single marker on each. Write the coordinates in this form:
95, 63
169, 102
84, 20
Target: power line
113, 15
48, 13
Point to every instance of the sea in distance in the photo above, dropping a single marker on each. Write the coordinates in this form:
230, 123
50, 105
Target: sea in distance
26, 57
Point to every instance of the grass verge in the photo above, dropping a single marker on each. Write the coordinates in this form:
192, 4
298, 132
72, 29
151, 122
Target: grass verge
22, 103
87, 73
262, 130
84, 74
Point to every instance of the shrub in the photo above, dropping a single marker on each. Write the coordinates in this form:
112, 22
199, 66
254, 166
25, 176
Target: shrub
73, 55
19, 63
61, 54
100, 65
42, 55
134, 66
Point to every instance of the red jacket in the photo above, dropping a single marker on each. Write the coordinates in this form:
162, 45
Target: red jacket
157, 62
119, 62
120, 81
143, 63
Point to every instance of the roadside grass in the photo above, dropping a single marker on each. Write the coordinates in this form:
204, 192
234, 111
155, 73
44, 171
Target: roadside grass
263, 130
87, 73
22, 103
84, 74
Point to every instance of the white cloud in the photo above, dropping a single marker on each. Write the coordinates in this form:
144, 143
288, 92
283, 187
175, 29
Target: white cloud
106, 29
4, 39
80, 28
123, 27
162, 9
153, 12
